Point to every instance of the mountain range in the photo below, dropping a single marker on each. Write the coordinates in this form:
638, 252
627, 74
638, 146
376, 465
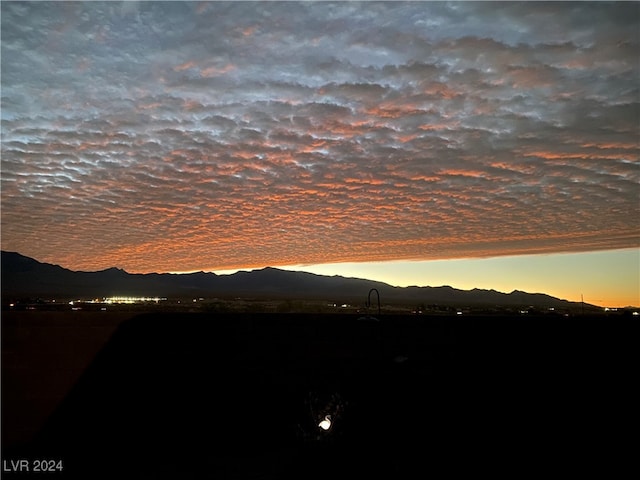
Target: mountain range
26, 277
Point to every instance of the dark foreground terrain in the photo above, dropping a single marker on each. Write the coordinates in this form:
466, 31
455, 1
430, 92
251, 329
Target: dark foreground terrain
242, 396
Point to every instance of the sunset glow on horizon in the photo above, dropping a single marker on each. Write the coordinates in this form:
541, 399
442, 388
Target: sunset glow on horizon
473, 144
609, 278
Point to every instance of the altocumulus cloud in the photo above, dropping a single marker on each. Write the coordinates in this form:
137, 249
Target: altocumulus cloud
161, 136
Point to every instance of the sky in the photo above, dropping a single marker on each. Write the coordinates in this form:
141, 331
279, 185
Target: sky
490, 145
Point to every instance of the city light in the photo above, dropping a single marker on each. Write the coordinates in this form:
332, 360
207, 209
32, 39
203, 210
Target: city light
131, 300
119, 300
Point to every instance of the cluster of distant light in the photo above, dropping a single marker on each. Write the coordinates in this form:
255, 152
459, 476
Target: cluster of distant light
635, 313
116, 300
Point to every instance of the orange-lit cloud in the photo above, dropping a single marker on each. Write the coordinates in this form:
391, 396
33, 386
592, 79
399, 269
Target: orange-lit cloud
180, 136
214, 71
185, 66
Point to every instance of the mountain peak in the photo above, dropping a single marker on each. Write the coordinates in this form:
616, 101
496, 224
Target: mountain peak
25, 276
112, 270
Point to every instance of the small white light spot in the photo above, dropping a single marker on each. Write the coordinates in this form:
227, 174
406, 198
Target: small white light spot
325, 424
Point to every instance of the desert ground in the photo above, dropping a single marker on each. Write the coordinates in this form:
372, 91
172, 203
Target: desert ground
242, 395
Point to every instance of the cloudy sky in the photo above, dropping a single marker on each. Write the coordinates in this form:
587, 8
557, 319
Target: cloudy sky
179, 136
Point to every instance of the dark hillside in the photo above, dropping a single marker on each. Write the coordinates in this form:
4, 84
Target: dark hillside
25, 277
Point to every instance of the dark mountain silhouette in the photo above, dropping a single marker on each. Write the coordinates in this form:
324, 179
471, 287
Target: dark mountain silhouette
25, 277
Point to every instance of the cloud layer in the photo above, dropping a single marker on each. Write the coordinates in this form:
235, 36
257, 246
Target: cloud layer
161, 136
